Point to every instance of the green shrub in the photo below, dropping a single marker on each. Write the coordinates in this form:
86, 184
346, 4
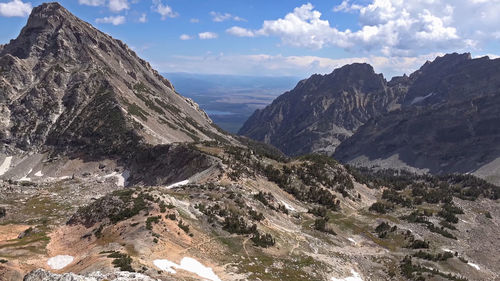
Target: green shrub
122, 261
266, 240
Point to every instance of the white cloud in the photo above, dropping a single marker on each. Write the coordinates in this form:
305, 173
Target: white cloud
185, 37
239, 31
194, 20
114, 20
118, 5
279, 65
390, 27
93, 3
164, 10
220, 17
143, 18
207, 35
15, 8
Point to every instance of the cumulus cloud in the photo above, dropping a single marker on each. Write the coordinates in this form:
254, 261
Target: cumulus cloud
239, 31
118, 5
164, 10
220, 17
193, 20
114, 20
93, 3
185, 37
15, 8
207, 35
143, 18
276, 65
391, 27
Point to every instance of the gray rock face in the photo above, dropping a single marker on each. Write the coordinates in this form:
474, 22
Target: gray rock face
324, 110
68, 86
449, 123
42, 275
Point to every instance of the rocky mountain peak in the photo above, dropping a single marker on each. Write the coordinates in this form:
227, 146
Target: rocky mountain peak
323, 110
68, 85
355, 70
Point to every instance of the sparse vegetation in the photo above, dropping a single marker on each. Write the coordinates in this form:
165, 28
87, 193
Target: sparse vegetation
122, 261
415, 272
183, 226
381, 207
321, 225
151, 220
263, 240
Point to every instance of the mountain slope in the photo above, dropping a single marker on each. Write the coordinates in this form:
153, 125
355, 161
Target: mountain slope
324, 110
449, 122
67, 86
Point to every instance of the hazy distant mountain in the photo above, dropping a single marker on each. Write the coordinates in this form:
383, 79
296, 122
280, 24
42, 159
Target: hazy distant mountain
230, 99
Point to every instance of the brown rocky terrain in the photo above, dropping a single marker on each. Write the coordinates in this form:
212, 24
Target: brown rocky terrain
258, 217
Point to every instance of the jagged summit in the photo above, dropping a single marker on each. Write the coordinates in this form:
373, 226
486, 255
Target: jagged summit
323, 110
70, 87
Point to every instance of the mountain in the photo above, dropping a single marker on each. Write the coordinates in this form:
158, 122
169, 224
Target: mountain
67, 86
72, 92
92, 189
440, 119
448, 123
324, 110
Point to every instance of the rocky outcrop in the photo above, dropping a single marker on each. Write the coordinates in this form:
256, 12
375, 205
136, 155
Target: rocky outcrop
324, 110
42, 275
65, 85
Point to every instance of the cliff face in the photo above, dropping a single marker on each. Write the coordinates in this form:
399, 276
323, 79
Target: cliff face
324, 110
68, 86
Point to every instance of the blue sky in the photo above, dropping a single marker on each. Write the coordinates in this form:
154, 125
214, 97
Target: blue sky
278, 37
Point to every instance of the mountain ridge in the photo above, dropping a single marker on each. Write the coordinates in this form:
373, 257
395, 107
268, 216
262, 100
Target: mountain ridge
454, 83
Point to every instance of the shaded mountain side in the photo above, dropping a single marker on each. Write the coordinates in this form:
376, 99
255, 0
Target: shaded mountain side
68, 87
449, 122
324, 110
443, 139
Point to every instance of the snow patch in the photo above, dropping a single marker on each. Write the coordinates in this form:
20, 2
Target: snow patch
39, 174
420, 99
288, 207
352, 240
355, 277
25, 178
177, 184
60, 262
447, 250
5, 165
121, 178
474, 265
187, 264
